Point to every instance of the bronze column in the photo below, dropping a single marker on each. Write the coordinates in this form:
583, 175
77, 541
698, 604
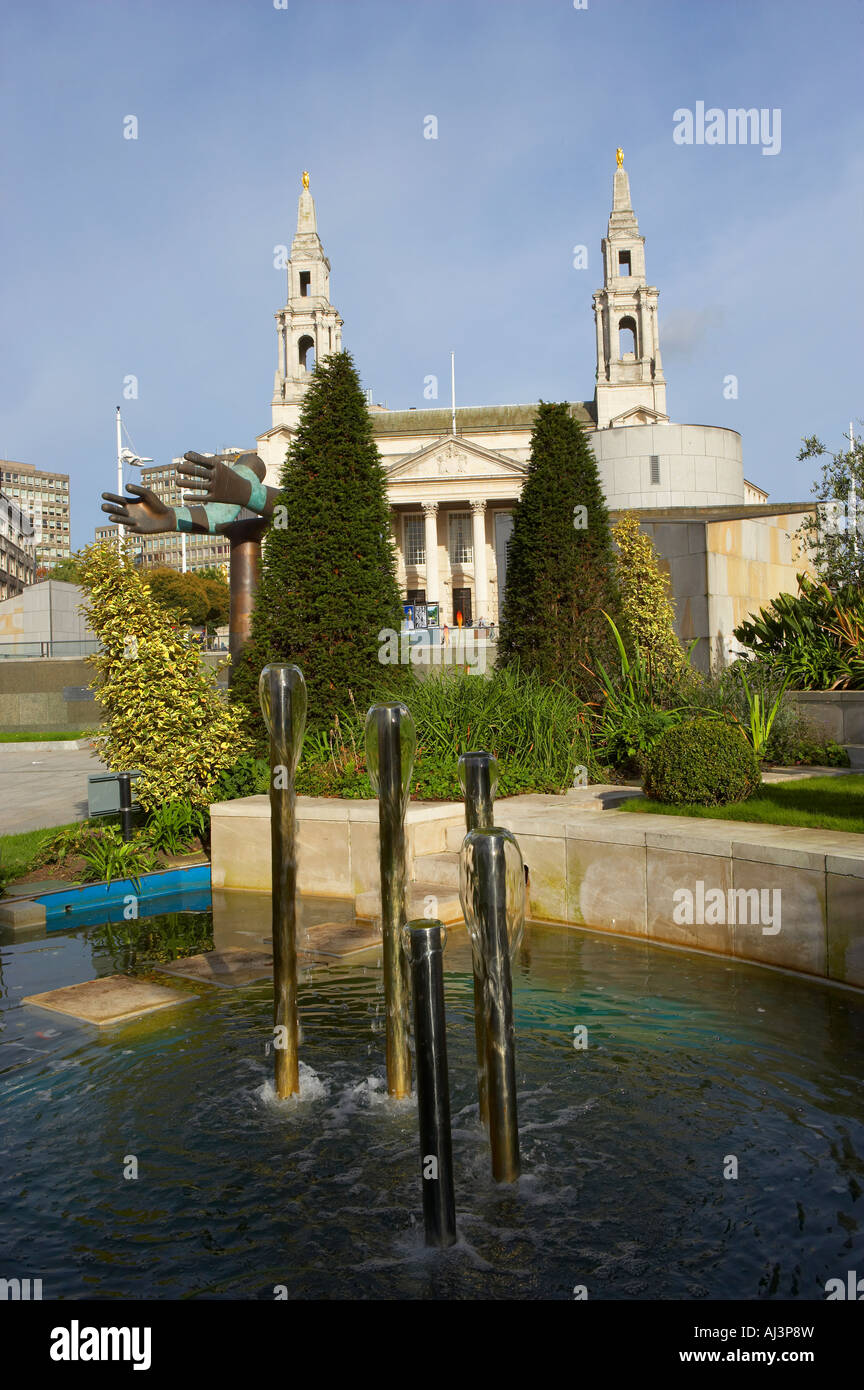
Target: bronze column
245, 570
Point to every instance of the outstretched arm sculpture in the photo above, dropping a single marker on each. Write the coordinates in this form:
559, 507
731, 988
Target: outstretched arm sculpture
241, 483
220, 494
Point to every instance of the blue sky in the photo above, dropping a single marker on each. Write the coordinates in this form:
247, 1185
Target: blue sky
154, 257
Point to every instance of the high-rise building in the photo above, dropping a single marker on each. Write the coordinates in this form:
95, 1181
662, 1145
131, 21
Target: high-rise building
167, 547
43, 495
17, 557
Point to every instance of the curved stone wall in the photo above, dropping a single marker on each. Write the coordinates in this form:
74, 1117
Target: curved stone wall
699, 465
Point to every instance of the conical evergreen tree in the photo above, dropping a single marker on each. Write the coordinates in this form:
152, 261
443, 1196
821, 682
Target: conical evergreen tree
328, 577
560, 563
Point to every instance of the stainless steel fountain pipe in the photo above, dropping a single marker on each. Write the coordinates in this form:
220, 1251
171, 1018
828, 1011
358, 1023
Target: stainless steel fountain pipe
478, 773
391, 739
492, 893
282, 692
426, 944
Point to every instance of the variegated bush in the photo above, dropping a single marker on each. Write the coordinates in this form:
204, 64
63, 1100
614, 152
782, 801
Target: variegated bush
163, 714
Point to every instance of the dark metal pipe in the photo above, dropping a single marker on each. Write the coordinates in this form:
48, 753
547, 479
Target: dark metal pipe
282, 691
486, 897
390, 742
125, 781
426, 940
478, 773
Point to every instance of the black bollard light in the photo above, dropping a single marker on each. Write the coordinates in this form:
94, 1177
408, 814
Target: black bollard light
391, 741
493, 900
425, 942
282, 692
478, 773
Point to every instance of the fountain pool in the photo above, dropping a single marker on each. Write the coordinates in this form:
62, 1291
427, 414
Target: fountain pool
690, 1059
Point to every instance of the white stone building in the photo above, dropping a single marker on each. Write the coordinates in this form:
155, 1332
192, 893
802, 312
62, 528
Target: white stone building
452, 489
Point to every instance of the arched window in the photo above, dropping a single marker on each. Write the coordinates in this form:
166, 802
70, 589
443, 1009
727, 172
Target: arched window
626, 337
306, 353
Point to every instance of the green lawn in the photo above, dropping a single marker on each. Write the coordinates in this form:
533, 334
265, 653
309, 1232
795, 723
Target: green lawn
821, 803
64, 736
18, 851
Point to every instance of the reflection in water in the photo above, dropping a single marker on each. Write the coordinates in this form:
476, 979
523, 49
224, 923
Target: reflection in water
688, 1060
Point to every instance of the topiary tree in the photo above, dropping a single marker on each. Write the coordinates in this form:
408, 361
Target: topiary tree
646, 600
163, 714
328, 575
706, 762
560, 564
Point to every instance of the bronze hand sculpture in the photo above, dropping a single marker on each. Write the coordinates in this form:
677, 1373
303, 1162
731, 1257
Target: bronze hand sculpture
219, 491
240, 483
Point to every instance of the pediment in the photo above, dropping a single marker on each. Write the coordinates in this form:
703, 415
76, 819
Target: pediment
453, 458
638, 415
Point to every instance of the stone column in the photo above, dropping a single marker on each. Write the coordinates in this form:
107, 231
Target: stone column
481, 578
430, 514
602, 373
283, 370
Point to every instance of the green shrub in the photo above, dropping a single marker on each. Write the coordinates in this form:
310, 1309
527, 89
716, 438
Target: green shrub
705, 761
107, 856
163, 714
174, 827
539, 731
815, 637
250, 776
646, 598
66, 844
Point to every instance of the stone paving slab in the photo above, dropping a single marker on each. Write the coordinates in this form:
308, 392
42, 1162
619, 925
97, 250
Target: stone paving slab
230, 968
40, 788
340, 938
112, 999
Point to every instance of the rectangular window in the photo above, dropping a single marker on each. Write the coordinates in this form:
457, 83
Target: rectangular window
461, 552
305, 282
655, 470
624, 263
414, 547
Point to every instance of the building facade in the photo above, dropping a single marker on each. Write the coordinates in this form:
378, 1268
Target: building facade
17, 549
452, 485
44, 496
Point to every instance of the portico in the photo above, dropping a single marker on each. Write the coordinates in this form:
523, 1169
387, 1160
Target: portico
452, 504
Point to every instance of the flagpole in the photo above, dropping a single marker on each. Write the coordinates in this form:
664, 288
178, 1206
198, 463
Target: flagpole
120, 529
453, 391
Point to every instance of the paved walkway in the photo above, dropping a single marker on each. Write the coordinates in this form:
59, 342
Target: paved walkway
41, 786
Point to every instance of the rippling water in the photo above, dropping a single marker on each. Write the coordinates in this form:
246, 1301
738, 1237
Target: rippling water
689, 1060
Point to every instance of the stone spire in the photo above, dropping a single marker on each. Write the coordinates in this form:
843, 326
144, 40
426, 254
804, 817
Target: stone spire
630, 379
308, 328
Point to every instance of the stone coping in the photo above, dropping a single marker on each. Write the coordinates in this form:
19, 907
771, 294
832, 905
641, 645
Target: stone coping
574, 815
332, 808
832, 851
